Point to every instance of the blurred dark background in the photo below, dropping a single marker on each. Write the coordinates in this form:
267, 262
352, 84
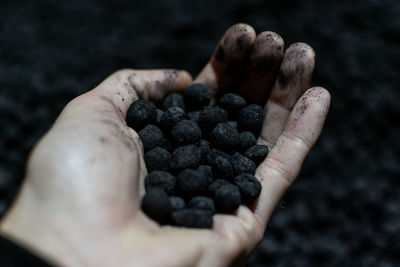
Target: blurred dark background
344, 210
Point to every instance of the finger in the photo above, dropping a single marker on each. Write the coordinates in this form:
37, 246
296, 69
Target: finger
281, 167
230, 55
125, 86
293, 79
262, 67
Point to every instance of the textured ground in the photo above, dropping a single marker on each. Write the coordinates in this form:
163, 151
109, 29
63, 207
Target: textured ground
345, 208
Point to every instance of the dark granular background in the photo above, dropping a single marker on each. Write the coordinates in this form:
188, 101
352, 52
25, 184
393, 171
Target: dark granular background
344, 210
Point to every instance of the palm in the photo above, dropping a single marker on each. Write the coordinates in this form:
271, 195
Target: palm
89, 169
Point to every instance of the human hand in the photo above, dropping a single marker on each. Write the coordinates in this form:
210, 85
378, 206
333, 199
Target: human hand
80, 201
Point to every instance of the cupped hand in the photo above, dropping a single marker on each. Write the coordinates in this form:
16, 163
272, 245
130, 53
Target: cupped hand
79, 204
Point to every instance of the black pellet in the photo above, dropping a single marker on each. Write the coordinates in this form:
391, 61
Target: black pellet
215, 185
233, 124
186, 132
202, 203
173, 100
224, 137
191, 182
213, 154
257, 153
156, 205
232, 103
141, 113
227, 198
194, 116
210, 116
171, 116
242, 164
177, 203
206, 171
246, 140
249, 186
196, 96
192, 218
160, 179
157, 158
251, 118
223, 168
183, 157
151, 137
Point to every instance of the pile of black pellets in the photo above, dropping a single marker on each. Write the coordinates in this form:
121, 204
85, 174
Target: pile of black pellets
200, 159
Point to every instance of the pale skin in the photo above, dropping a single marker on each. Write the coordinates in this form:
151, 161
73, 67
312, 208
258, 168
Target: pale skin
79, 204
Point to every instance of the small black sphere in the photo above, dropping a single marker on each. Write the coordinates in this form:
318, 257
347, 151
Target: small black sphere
156, 205
183, 157
173, 100
151, 137
257, 153
177, 203
246, 140
213, 154
249, 186
202, 203
196, 96
206, 171
157, 159
186, 132
211, 116
141, 113
191, 182
251, 118
160, 179
172, 116
227, 198
242, 164
215, 185
224, 137
223, 168
194, 116
232, 103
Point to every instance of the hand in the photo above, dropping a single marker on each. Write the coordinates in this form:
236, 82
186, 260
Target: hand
80, 201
